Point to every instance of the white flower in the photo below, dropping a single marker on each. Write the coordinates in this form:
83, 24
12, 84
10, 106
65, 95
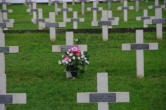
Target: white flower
87, 62
67, 52
74, 58
69, 60
59, 62
71, 54
78, 58
62, 56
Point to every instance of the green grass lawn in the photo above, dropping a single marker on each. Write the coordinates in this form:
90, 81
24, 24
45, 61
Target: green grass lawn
23, 19
35, 70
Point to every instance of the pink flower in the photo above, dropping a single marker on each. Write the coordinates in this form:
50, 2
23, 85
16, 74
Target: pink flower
78, 53
66, 58
74, 49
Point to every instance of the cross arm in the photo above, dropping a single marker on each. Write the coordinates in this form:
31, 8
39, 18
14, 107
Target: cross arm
119, 97
64, 48
6, 11
10, 49
149, 46
13, 98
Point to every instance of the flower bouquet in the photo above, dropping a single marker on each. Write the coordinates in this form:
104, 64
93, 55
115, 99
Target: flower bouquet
75, 61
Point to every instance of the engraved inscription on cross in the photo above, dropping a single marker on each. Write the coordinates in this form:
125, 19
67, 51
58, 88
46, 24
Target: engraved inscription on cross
102, 96
95, 9
7, 98
52, 24
140, 46
65, 48
125, 9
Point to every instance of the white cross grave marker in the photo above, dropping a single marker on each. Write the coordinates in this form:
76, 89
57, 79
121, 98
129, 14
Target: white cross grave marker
3, 25
33, 10
40, 20
83, 6
4, 13
125, 9
140, 46
102, 97
113, 19
109, 4
52, 24
65, 10
75, 20
158, 21
137, 5
7, 98
105, 23
56, 2
65, 48
145, 18
95, 9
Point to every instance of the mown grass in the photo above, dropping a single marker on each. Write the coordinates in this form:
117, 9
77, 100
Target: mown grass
23, 19
35, 71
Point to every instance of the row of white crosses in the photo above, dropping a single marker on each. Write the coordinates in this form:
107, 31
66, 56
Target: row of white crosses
7, 98
95, 9
140, 46
103, 97
125, 9
106, 22
4, 14
65, 48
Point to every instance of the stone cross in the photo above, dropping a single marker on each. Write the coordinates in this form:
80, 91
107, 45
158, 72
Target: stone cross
137, 5
29, 4
95, 9
49, 2
33, 10
102, 97
157, 8
113, 19
65, 48
52, 24
75, 20
40, 20
109, 4
158, 21
65, 10
140, 46
4, 25
7, 98
82, 6
4, 13
56, 2
105, 23
145, 18
125, 9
